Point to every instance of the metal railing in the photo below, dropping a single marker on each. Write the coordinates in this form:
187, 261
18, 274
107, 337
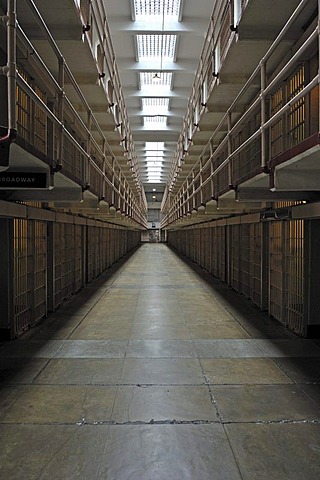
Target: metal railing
250, 144
221, 32
64, 139
109, 77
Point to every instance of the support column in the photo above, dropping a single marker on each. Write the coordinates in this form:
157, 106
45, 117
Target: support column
4, 94
312, 278
6, 279
265, 267
51, 268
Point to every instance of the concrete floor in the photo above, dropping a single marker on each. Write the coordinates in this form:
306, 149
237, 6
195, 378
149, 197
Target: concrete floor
157, 371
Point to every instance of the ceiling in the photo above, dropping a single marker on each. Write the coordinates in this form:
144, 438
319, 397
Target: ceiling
157, 45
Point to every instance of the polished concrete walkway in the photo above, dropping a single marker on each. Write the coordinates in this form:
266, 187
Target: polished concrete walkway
156, 371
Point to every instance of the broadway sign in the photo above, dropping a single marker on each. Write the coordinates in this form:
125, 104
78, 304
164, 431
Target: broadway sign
23, 180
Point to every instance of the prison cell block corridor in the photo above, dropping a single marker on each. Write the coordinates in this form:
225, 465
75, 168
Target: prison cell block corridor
157, 370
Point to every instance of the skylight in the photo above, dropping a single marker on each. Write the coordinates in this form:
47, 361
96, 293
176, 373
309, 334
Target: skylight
156, 46
157, 7
147, 78
154, 161
157, 120
156, 52
155, 146
154, 179
154, 158
155, 102
154, 149
152, 106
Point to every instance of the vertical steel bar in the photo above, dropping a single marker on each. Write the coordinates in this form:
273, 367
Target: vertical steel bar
11, 57
229, 149
263, 115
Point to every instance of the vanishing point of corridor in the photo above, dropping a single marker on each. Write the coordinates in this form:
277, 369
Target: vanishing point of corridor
157, 371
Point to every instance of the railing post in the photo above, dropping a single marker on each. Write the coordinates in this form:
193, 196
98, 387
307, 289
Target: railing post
211, 178
9, 70
319, 56
113, 178
104, 170
11, 40
193, 191
87, 166
61, 110
119, 194
263, 116
201, 181
229, 150
236, 11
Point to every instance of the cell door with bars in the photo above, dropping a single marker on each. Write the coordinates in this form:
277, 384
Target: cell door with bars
30, 273
295, 275
276, 271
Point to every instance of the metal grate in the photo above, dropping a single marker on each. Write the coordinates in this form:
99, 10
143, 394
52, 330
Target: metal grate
221, 252
295, 275
32, 263
164, 79
276, 269
39, 271
225, 33
155, 120
296, 116
22, 281
265, 262
235, 251
78, 268
156, 46
40, 124
246, 261
251, 259
90, 255
256, 241
214, 254
23, 110
64, 261
157, 7
276, 130
30, 273
160, 104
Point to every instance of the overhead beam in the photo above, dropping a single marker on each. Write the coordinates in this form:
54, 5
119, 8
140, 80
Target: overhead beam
190, 26
252, 194
296, 180
57, 194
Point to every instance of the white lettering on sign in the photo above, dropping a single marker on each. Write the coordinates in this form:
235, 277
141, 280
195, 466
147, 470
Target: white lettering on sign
17, 179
